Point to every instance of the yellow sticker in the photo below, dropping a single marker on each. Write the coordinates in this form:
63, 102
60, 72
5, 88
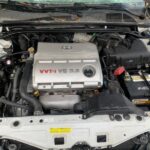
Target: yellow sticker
60, 130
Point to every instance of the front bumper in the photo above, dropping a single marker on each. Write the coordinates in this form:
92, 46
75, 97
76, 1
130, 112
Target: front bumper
36, 131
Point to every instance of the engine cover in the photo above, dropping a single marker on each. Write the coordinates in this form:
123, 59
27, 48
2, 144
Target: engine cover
66, 66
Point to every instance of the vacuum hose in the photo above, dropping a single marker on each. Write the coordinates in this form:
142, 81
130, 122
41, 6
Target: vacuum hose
23, 88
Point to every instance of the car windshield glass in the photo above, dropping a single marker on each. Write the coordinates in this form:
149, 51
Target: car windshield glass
76, 7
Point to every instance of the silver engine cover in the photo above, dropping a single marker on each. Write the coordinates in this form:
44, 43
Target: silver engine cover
66, 66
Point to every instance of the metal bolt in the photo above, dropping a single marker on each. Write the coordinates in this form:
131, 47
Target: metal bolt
144, 139
84, 116
112, 118
126, 116
118, 118
139, 118
109, 146
12, 147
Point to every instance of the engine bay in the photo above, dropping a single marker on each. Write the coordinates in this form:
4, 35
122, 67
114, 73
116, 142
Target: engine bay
74, 73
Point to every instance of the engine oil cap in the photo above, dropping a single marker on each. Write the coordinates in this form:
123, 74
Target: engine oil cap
89, 71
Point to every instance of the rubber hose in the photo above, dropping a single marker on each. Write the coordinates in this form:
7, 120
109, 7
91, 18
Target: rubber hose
8, 91
4, 101
23, 88
15, 84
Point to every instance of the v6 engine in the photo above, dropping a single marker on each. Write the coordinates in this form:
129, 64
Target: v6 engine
59, 66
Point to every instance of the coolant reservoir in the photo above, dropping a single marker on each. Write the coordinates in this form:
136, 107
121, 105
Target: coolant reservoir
4, 45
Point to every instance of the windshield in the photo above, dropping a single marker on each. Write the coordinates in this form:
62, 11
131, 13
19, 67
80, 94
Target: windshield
130, 3
86, 10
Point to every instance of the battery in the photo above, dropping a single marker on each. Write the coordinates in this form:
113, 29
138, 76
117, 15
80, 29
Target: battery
137, 87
